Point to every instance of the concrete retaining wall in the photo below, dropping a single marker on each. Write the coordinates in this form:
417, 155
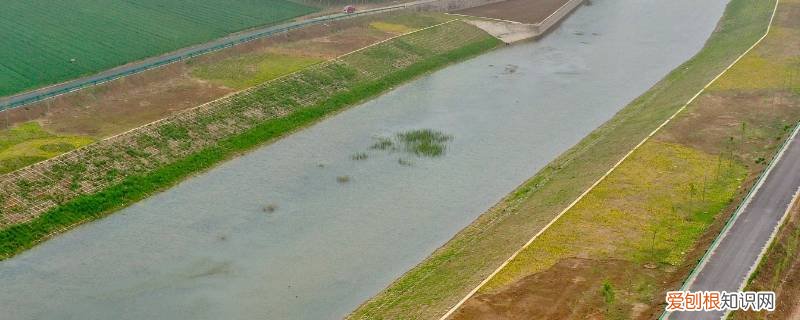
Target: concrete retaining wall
506, 31
511, 31
557, 16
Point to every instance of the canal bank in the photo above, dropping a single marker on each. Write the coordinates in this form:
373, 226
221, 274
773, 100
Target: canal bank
215, 254
531, 285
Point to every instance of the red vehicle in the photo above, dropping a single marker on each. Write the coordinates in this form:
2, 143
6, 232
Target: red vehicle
349, 9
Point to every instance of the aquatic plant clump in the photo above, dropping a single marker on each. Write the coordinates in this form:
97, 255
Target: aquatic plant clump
383, 144
420, 142
424, 142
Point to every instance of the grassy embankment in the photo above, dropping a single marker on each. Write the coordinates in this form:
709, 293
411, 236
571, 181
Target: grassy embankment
145, 161
654, 209
699, 181
247, 70
123, 104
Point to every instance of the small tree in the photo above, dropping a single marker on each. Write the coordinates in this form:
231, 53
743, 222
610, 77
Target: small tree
608, 294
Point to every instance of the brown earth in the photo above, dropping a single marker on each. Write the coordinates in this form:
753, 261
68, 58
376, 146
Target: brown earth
785, 18
525, 11
746, 124
126, 103
780, 272
571, 289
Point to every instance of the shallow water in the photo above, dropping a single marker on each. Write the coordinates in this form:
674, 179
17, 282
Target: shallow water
206, 249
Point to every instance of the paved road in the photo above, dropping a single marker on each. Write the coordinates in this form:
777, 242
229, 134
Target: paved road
738, 251
32, 96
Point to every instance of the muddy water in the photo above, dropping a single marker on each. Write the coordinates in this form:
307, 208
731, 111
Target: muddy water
207, 249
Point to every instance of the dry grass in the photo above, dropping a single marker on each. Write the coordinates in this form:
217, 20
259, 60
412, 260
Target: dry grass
755, 72
390, 27
650, 210
29, 143
249, 70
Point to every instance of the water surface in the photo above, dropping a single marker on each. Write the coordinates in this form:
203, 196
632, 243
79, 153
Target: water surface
206, 249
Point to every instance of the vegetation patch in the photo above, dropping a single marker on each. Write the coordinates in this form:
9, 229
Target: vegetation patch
755, 72
246, 71
420, 142
651, 209
28, 143
343, 179
425, 142
57, 147
390, 27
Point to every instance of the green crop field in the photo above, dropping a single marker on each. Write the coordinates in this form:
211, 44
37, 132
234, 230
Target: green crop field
46, 42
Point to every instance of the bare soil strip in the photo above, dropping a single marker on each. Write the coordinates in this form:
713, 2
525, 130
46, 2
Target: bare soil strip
525, 11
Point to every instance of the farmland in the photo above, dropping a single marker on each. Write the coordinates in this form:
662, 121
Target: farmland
94, 181
54, 41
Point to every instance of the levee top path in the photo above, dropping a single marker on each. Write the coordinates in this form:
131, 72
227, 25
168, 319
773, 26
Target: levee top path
22, 99
525, 11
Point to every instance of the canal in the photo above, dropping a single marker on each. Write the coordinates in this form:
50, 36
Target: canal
300, 230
